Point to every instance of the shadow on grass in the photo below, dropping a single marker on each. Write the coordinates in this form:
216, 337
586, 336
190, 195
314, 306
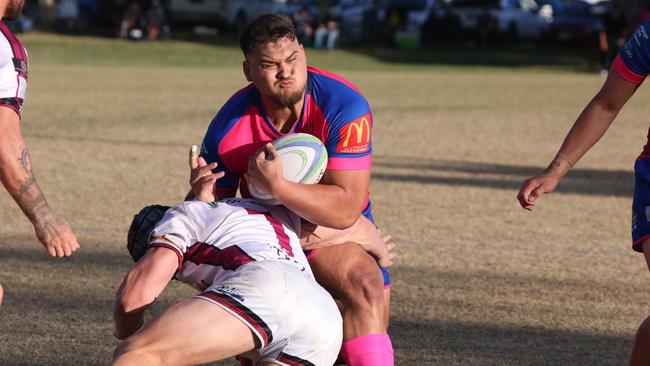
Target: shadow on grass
431, 342
499, 176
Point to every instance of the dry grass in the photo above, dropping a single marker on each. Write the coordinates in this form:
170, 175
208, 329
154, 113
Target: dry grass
478, 282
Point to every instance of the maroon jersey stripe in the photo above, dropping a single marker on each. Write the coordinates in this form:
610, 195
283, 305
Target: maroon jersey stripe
282, 236
229, 258
242, 311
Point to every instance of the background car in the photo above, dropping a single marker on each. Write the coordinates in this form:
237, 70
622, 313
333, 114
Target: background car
516, 19
574, 22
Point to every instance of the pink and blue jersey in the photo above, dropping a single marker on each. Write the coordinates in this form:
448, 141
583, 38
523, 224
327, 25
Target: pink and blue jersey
334, 111
633, 62
633, 65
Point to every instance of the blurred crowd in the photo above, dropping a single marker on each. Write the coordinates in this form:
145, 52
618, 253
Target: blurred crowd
328, 24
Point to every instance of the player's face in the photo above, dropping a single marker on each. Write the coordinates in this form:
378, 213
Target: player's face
14, 8
279, 71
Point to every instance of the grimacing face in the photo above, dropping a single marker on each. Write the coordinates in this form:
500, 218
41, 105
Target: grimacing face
279, 71
14, 8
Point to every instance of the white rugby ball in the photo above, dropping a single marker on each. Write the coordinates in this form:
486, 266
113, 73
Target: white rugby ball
304, 160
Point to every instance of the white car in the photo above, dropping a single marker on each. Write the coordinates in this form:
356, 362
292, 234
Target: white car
516, 19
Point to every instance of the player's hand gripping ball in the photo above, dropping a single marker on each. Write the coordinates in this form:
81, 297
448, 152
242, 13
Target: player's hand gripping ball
304, 160
141, 227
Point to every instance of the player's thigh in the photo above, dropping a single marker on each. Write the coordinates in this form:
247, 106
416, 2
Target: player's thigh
321, 325
193, 331
345, 270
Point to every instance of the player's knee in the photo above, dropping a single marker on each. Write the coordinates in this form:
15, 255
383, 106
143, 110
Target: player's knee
129, 353
364, 285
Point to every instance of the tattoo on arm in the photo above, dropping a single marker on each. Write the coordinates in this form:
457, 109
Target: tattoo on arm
29, 197
25, 161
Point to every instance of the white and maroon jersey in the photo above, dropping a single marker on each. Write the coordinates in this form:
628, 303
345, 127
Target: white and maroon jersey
214, 239
13, 70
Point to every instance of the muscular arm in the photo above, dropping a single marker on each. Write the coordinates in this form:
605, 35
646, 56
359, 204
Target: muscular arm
363, 232
17, 177
588, 128
142, 285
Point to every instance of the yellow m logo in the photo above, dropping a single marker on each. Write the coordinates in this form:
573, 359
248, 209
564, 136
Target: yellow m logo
362, 132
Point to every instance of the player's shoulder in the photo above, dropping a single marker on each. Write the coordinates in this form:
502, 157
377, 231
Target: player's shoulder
633, 61
336, 97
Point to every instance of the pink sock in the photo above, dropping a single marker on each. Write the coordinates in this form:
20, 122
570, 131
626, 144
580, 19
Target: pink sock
368, 350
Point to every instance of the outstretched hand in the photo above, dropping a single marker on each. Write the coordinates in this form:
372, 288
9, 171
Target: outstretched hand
202, 179
532, 188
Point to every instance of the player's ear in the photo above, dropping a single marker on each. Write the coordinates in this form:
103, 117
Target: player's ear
247, 70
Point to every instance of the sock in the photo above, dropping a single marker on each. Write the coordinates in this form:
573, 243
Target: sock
368, 350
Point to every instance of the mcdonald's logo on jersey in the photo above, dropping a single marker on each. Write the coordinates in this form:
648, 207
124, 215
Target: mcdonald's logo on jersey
355, 136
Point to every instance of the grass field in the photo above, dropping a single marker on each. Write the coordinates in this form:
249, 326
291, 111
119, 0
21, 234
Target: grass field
479, 281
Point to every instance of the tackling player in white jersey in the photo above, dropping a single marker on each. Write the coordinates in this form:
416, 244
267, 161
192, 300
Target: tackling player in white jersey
258, 291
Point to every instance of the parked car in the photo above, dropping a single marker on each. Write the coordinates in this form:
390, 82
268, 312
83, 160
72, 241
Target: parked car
227, 15
516, 19
574, 22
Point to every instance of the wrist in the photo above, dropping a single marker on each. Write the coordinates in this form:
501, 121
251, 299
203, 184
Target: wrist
560, 166
278, 188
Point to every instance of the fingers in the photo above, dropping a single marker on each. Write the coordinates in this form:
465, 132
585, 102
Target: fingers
59, 251
194, 157
201, 171
271, 151
51, 250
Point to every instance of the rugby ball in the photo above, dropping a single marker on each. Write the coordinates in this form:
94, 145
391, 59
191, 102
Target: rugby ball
304, 160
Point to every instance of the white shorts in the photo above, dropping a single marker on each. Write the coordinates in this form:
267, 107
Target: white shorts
296, 321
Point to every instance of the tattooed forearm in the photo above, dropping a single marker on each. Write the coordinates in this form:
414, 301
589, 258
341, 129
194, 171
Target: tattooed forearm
27, 185
29, 196
25, 161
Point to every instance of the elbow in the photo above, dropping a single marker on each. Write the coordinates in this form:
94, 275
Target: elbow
129, 302
345, 219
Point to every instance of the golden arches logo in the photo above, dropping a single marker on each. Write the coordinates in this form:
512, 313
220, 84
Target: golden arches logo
361, 129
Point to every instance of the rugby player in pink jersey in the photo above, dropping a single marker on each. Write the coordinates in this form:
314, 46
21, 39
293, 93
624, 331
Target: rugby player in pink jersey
286, 96
15, 162
629, 70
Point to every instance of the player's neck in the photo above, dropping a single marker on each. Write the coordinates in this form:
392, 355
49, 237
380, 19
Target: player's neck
283, 117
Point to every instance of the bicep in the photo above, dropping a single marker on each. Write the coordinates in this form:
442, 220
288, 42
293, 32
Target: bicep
616, 91
149, 277
354, 182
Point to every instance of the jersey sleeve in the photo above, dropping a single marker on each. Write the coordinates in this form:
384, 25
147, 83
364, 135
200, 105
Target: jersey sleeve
226, 185
633, 62
349, 144
175, 231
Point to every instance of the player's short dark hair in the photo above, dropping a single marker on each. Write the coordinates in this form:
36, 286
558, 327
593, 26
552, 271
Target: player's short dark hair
266, 28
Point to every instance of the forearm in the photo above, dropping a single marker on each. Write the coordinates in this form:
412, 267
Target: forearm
588, 129
127, 323
323, 204
315, 236
17, 176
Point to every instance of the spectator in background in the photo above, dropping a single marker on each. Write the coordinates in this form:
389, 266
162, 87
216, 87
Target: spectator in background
612, 36
156, 21
487, 26
303, 21
130, 25
327, 33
